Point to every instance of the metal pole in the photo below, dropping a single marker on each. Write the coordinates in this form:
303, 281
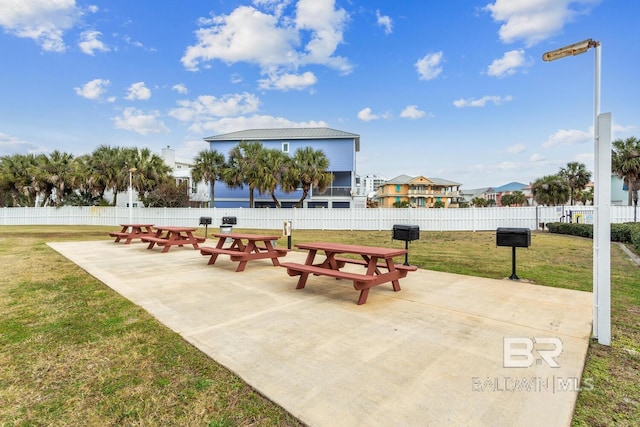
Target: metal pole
406, 254
514, 276
130, 198
602, 229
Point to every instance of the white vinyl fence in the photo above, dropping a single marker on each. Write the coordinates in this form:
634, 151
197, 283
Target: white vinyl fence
471, 219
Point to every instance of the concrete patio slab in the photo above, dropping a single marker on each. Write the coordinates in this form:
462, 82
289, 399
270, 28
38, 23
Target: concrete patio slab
431, 354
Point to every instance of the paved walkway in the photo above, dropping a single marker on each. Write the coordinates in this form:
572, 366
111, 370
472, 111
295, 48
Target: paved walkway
431, 354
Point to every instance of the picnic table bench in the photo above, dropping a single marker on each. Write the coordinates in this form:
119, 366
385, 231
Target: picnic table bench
132, 231
244, 247
376, 272
173, 236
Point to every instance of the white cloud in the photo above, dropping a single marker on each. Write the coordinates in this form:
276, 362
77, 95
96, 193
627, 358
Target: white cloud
535, 158
180, 88
385, 22
93, 89
11, 145
44, 21
429, 66
496, 100
568, 137
137, 121
412, 112
245, 35
586, 158
366, 115
89, 42
508, 64
138, 91
272, 41
191, 148
516, 148
535, 20
289, 81
207, 107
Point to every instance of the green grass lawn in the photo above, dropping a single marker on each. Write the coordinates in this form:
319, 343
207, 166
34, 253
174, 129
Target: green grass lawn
73, 352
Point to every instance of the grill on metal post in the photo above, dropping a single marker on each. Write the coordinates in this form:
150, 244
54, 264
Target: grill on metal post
516, 238
407, 233
206, 221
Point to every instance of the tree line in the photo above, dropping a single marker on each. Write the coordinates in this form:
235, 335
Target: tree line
61, 178
569, 185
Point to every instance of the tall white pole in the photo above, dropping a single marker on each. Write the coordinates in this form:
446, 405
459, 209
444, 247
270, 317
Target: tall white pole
596, 194
602, 228
602, 220
601, 197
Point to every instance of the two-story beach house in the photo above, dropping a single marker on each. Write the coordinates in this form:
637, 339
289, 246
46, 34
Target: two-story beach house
339, 147
419, 192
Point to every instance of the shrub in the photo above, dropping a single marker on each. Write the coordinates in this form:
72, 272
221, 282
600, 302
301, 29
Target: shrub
635, 237
628, 232
621, 232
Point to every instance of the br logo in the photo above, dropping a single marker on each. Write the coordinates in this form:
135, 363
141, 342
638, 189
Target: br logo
523, 352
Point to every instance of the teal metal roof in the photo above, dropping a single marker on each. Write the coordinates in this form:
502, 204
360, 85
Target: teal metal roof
285, 133
512, 186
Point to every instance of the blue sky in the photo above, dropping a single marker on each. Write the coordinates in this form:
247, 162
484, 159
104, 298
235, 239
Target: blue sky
453, 89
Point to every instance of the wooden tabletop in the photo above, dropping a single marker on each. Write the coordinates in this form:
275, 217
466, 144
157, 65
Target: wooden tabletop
246, 236
353, 249
175, 229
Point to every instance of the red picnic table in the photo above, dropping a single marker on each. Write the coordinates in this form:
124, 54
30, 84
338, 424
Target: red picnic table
173, 236
243, 248
378, 262
132, 231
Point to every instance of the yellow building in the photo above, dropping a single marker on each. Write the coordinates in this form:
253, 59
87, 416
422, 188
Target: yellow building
419, 192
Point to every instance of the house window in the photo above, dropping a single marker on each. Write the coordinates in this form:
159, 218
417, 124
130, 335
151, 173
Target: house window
397, 188
285, 147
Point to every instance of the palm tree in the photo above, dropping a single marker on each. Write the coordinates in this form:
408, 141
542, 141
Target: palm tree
550, 190
625, 162
273, 167
58, 174
507, 200
17, 179
150, 171
479, 202
518, 198
309, 170
105, 164
578, 177
242, 167
207, 167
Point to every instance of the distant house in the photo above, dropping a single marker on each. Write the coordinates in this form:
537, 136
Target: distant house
468, 195
181, 172
419, 192
496, 193
339, 147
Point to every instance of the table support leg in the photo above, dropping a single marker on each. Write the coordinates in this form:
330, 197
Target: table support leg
302, 281
363, 296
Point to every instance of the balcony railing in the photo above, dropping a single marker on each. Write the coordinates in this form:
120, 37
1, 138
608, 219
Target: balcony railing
433, 193
339, 192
